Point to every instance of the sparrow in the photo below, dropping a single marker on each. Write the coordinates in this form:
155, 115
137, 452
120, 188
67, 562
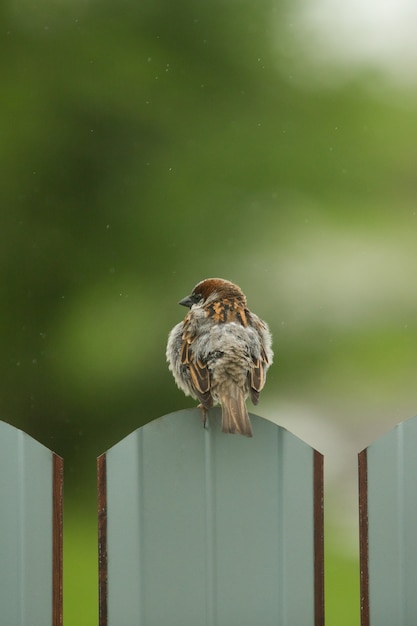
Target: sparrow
220, 352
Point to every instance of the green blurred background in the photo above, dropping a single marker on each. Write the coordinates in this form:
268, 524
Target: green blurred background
147, 145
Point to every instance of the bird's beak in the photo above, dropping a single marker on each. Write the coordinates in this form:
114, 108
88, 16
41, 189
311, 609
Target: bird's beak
187, 301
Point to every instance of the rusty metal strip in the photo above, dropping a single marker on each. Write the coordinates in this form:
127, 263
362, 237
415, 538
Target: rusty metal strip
318, 541
57, 542
363, 536
102, 538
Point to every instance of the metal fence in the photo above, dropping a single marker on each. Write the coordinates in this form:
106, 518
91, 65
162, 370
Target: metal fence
199, 528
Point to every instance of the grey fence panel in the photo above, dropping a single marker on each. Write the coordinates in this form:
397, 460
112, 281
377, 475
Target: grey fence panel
202, 528
388, 528
30, 531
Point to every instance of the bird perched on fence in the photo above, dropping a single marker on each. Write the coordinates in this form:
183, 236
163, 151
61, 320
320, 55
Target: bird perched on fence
220, 352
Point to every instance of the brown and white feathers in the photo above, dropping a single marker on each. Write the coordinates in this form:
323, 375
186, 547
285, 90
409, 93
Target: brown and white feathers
220, 352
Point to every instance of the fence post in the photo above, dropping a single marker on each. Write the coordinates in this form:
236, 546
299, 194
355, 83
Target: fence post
30, 531
203, 528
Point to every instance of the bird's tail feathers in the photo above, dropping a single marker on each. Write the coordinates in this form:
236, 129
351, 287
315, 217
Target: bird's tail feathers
235, 418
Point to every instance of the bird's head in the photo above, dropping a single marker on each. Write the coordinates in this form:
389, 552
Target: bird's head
211, 290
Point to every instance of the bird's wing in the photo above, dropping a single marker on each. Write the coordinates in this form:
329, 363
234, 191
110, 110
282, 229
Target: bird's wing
199, 373
260, 364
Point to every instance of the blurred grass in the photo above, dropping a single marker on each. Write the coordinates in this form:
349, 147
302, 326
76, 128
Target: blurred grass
80, 569
342, 599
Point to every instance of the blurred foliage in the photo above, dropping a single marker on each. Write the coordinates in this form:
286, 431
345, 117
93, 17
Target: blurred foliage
148, 145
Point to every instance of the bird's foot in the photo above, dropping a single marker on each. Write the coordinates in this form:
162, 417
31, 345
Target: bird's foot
204, 412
